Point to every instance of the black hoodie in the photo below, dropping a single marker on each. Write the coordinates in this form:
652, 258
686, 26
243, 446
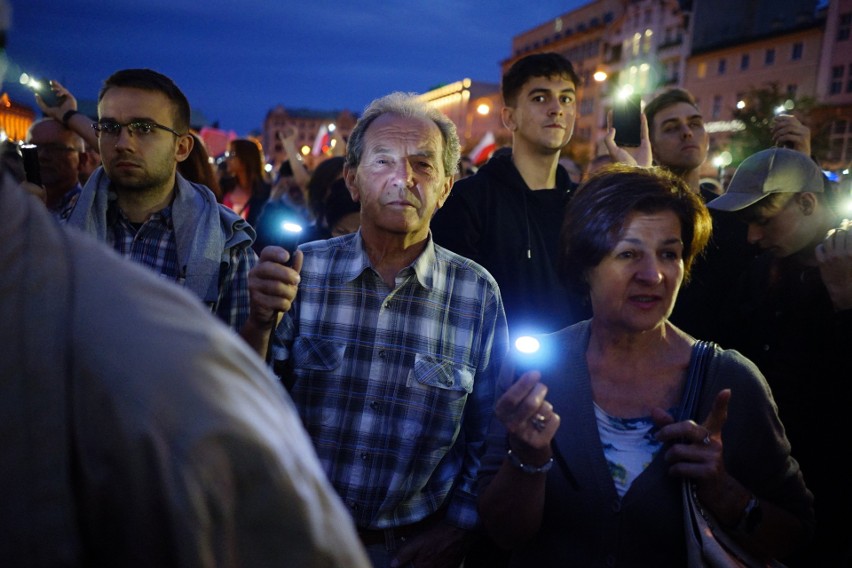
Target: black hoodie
494, 219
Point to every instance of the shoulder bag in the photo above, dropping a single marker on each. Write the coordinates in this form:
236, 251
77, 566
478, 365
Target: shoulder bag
707, 543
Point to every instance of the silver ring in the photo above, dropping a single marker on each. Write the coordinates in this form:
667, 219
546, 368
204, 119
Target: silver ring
706, 440
539, 422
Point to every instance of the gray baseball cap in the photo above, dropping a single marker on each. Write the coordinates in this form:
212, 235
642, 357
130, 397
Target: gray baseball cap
776, 170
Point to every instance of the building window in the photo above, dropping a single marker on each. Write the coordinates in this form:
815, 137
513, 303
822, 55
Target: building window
836, 80
770, 56
844, 26
744, 61
717, 107
723, 65
798, 48
791, 91
702, 70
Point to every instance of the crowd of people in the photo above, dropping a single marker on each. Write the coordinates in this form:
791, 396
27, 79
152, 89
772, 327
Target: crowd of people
350, 396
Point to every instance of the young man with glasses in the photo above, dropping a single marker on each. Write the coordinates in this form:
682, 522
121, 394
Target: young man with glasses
61, 156
138, 203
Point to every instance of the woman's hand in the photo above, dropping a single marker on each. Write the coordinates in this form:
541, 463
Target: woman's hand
696, 452
528, 417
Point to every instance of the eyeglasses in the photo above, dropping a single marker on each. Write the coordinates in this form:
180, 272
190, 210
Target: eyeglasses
141, 128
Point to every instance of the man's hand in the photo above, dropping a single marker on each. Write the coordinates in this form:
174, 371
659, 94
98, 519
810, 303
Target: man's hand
272, 288
639, 156
66, 102
834, 256
789, 132
273, 285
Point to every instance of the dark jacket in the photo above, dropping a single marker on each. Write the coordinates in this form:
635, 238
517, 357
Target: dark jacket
494, 219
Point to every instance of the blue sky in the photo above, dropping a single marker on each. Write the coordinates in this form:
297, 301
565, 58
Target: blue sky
235, 60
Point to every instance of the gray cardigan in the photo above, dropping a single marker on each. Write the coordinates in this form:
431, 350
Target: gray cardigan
589, 525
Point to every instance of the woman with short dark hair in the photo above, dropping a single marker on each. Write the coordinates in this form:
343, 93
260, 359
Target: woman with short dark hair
602, 399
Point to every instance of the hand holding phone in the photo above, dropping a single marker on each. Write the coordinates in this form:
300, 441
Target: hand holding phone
43, 90
626, 119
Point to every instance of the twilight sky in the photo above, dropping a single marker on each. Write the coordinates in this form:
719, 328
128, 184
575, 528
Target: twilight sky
236, 59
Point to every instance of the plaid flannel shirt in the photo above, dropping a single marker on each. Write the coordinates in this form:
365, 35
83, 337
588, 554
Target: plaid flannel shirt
395, 387
153, 244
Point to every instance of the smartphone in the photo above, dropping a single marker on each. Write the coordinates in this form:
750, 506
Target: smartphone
626, 119
31, 166
45, 92
291, 234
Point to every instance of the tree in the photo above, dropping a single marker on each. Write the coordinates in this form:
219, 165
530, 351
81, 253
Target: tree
762, 104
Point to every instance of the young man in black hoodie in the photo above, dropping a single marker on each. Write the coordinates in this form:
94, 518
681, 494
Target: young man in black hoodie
508, 215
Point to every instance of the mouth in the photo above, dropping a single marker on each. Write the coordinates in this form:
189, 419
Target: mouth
645, 300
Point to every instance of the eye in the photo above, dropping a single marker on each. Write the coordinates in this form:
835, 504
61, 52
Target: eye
626, 254
109, 127
142, 127
537, 98
567, 99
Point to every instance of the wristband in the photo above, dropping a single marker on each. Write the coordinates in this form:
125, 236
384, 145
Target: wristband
526, 468
67, 116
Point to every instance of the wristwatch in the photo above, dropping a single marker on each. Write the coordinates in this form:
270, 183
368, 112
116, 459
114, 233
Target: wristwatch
751, 517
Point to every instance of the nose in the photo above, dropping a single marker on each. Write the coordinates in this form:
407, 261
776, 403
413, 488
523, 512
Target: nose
556, 108
403, 174
123, 138
648, 270
685, 131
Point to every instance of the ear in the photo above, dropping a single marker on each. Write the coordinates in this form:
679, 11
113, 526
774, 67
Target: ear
445, 192
184, 147
349, 175
507, 114
807, 202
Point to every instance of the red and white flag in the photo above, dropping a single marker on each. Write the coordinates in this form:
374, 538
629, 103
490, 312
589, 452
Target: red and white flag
322, 142
484, 149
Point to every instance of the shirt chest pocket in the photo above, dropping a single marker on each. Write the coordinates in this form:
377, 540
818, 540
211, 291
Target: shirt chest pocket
430, 371
316, 354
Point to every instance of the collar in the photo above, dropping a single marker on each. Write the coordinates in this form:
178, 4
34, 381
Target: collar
423, 266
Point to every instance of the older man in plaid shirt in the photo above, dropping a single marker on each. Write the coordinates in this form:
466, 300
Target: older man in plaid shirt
392, 346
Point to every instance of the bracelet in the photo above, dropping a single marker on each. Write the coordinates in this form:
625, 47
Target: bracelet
67, 116
526, 468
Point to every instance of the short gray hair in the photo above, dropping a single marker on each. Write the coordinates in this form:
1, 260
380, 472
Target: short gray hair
407, 105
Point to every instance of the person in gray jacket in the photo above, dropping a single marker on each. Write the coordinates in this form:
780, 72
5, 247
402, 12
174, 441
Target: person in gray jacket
141, 206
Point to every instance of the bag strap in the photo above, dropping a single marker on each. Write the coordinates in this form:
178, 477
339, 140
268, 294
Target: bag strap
702, 352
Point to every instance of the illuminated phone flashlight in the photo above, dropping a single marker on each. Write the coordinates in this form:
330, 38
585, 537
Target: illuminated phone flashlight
528, 354
291, 232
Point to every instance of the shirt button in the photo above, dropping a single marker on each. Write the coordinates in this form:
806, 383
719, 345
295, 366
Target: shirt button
387, 305
374, 405
364, 455
616, 506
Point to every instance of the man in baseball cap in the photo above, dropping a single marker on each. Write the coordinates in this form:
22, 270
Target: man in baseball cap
781, 195
791, 314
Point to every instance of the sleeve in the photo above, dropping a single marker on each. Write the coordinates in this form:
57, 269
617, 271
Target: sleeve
478, 415
757, 451
233, 308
